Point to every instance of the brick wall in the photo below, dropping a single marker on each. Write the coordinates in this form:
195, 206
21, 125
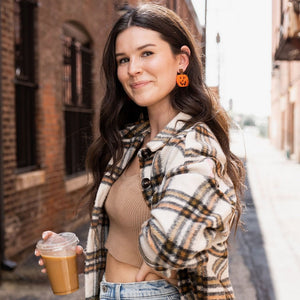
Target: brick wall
8, 124
46, 199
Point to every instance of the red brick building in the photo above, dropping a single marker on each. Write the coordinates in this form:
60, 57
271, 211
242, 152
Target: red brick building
50, 92
285, 107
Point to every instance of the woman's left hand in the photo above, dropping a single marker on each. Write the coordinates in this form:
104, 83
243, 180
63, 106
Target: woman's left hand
143, 272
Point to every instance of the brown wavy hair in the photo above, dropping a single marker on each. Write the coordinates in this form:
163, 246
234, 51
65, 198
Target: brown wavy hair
117, 112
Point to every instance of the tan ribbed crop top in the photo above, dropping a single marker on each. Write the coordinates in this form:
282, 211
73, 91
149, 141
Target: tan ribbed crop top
127, 211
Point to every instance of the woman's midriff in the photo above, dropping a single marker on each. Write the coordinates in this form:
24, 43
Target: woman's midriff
120, 272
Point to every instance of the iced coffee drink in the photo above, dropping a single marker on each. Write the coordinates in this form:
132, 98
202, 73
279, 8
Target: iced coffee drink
59, 255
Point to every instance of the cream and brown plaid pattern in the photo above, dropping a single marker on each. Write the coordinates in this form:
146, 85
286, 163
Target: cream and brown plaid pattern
192, 201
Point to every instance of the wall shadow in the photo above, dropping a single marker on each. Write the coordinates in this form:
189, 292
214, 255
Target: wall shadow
251, 247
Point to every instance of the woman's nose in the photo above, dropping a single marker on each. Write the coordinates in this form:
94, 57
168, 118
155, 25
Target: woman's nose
134, 67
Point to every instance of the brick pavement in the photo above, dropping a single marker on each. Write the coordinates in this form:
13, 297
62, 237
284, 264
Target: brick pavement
27, 282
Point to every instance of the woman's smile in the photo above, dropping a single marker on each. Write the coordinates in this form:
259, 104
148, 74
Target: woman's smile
139, 84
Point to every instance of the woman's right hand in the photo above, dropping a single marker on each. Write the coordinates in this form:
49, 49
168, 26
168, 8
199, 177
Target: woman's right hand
79, 252
45, 236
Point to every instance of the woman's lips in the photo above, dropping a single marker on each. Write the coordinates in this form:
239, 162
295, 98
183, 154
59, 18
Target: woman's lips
139, 84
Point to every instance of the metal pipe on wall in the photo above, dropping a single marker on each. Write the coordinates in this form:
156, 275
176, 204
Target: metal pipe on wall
1, 164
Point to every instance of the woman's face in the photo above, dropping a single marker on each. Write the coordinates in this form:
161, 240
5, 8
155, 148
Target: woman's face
146, 67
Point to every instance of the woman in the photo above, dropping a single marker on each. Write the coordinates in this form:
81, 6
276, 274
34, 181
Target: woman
166, 186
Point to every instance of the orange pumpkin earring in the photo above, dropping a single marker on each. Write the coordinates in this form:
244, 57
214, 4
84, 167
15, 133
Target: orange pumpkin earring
182, 80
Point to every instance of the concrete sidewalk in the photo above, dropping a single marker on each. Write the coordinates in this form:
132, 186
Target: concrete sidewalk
275, 184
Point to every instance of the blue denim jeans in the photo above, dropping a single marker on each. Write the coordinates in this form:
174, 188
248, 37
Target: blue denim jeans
154, 290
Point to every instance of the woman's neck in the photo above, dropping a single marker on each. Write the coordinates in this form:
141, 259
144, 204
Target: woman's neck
159, 119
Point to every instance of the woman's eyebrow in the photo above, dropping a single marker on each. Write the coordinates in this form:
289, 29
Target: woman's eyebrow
144, 46
139, 48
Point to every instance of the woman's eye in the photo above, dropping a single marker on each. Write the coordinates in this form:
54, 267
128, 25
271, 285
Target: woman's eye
123, 60
147, 53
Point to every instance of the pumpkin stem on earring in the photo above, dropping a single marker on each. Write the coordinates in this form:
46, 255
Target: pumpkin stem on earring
182, 79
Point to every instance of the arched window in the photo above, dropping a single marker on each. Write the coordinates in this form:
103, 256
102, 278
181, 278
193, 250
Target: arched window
77, 96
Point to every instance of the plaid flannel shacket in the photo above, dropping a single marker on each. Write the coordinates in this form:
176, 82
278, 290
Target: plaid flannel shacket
192, 204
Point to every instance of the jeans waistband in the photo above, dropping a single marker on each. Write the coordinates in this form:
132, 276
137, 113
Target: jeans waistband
156, 290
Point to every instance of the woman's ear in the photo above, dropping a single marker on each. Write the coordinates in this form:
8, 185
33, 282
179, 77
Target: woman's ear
184, 57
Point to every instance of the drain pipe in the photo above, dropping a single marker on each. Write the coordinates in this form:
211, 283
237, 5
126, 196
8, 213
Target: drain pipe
1, 165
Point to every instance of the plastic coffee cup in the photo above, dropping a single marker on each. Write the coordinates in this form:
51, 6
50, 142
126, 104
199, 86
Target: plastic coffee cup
59, 256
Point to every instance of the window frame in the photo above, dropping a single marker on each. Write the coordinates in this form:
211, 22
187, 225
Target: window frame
25, 85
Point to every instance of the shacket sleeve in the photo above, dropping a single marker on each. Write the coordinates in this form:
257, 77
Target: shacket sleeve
195, 208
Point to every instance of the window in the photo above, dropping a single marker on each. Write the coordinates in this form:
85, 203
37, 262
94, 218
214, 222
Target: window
77, 97
25, 84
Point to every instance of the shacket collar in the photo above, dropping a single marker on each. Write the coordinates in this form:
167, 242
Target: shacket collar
137, 133
172, 128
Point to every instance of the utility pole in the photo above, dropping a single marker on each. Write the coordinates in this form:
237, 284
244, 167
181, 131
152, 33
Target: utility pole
218, 40
204, 38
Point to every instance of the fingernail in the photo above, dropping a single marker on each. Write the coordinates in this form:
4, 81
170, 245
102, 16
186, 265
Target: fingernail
35, 252
44, 234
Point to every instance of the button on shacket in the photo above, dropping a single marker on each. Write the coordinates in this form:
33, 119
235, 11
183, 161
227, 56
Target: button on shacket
192, 202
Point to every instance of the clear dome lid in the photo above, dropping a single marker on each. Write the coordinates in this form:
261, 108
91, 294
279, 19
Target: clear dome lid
59, 241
